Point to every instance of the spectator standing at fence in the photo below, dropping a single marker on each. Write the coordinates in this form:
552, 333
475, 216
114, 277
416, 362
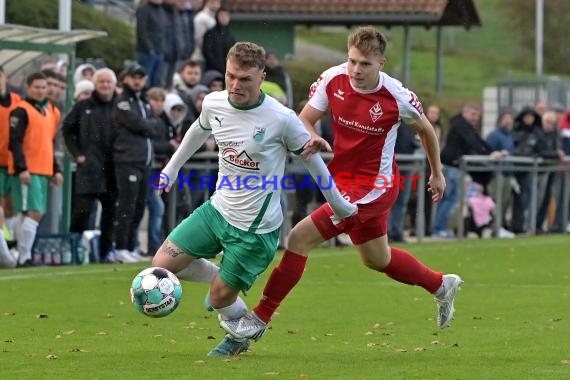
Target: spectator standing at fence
500, 139
84, 71
218, 41
33, 125
8, 102
562, 225
188, 76
462, 139
134, 126
529, 141
547, 180
152, 28
88, 133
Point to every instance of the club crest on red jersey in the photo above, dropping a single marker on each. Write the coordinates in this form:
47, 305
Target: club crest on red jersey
376, 112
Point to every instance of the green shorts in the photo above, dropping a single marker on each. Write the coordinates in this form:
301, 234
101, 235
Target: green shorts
37, 194
5, 184
246, 254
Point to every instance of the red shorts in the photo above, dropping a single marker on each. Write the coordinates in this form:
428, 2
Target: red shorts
369, 223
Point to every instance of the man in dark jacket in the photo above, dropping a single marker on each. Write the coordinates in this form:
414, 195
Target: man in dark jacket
217, 42
88, 134
134, 126
462, 139
152, 27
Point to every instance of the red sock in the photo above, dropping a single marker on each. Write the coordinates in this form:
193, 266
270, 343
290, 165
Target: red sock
405, 268
283, 278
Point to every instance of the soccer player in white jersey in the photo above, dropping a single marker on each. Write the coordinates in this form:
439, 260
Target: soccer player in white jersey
243, 217
367, 107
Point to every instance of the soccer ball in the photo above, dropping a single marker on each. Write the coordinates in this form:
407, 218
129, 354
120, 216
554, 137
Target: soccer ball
156, 292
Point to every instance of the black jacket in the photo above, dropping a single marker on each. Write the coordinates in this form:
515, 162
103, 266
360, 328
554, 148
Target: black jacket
152, 26
88, 131
462, 139
133, 128
530, 140
217, 43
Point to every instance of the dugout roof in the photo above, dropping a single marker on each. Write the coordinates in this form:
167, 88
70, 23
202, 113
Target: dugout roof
20, 45
351, 12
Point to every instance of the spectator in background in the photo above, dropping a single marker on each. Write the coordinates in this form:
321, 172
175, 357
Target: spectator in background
189, 75
406, 143
152, 28
217, 42
562, 225
179, 39
134, 126
83, 71
83, 90
540, 107
500, 139
33, 125
204, 20
462, 139
214, 80
547, 180
56, 86
529, 141
8, 102
277, 74
88, 133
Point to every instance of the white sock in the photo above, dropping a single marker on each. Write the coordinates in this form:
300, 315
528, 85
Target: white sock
199, 270
235, 311
28, 230
11, 226
6, 258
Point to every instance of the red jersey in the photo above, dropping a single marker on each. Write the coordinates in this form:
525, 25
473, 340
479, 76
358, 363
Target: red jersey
365, 126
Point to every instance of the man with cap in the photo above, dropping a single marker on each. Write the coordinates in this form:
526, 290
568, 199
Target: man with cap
134, 126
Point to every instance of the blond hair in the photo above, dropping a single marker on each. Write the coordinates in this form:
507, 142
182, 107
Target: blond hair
368, 40
247, 55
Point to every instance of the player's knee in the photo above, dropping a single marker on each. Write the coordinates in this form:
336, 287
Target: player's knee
375, 263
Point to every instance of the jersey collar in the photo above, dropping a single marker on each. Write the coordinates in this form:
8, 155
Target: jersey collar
252, 106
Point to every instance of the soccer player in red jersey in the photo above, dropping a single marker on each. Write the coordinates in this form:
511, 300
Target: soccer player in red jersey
367, 107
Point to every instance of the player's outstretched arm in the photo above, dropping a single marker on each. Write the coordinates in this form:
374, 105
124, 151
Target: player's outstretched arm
436, 182
192, 141
318, 170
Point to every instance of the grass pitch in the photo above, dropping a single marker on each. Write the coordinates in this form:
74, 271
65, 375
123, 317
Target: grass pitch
343, 321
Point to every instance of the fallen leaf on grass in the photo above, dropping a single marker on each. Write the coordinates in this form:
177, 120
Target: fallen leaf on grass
109, 315
157, 336
70, 332
376, 326
401, 350
41, 316
271, 373
477, 317
294, 331
200, 362
419, 349
313, 338
77, 349
435, 342
58, 336
8, 341
9, 313
368, 333
390, 323
371, 344
555, 319
565, 361
101, 333
303, 375
51, 357
329, 334
211, 337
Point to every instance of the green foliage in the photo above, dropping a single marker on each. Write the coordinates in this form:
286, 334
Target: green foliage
114, 49
342, 321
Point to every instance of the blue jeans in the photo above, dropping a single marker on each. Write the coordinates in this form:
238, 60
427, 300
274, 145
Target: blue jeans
398, 213
152, 64
155, 206
447, 205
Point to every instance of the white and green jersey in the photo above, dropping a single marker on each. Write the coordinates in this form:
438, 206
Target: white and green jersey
253, 142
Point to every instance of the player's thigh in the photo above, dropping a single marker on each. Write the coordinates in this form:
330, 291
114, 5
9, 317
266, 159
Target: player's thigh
171, 257
32, 197
305, 235
375, 253
246, 256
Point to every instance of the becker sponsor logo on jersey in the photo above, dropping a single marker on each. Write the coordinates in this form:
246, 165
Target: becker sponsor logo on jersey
241, 160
